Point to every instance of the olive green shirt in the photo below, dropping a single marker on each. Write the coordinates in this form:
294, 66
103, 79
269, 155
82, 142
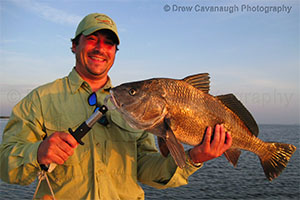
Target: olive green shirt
109, 164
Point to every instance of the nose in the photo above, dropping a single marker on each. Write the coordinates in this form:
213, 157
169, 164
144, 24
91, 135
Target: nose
100, 47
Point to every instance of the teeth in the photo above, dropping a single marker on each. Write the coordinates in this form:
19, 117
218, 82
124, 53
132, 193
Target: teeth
97, 58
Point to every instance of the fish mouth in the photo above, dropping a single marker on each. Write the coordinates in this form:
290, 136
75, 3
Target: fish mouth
109, 106
134, 120
114, 100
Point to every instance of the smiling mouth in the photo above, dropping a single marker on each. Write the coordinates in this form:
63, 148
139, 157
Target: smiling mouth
96, 58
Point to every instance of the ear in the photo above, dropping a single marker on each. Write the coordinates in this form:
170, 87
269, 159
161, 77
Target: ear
73, 47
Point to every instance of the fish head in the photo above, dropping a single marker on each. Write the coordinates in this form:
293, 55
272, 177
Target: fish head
141, 103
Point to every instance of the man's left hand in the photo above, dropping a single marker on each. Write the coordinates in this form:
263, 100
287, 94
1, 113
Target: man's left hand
211, 148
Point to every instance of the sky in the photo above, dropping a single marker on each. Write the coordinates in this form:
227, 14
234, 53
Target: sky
249, 47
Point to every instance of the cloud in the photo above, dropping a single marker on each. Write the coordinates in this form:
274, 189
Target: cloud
47, 12
7, 41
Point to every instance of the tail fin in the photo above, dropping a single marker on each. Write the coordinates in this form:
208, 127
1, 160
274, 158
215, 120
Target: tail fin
275, 163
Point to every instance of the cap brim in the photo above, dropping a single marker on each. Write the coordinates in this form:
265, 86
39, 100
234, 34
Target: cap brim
94, 29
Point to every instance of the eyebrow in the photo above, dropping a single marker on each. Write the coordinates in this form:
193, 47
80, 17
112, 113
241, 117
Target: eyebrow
107, 34
108, 37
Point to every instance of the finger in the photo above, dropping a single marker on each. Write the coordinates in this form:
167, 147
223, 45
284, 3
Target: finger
228, 141
62, 155
55, 155
207, 136
216, 139
60, 149
58, 159
69, 139
222, 134
65, 148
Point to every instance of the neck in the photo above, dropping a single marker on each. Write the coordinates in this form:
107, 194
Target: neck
95, 83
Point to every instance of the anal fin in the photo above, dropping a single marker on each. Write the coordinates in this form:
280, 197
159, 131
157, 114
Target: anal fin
232, 156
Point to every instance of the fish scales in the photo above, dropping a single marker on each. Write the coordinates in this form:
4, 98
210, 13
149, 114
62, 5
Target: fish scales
194, 111
181, 110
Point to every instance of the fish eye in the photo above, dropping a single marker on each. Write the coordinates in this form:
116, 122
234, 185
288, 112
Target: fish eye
132, 91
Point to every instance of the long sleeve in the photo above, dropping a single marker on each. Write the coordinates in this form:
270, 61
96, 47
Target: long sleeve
157, 171
21, 138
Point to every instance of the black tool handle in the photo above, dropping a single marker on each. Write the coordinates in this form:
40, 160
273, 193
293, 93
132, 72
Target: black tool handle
80, 132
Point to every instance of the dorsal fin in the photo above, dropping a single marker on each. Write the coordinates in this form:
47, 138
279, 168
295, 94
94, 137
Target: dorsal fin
199, 81
231, 102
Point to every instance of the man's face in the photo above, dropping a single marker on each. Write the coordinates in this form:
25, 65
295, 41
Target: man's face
95, 55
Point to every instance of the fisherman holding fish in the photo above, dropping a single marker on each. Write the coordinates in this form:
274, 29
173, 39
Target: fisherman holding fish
115, 156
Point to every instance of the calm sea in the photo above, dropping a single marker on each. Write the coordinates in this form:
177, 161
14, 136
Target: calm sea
217, 179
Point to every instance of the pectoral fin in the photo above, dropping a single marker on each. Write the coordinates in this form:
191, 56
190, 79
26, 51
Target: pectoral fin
175, 147
163, 146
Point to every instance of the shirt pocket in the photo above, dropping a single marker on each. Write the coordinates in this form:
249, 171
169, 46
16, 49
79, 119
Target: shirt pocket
62, 122
121, 148
121, 157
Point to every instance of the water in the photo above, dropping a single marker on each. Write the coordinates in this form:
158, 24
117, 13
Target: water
217, 179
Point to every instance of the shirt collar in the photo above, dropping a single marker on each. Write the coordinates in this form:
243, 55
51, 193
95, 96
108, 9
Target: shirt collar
107, 86
76, 82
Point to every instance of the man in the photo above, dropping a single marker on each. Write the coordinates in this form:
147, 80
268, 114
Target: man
114, 157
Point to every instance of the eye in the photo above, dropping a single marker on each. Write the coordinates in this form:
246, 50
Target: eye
91, 38
132, 91
109, 42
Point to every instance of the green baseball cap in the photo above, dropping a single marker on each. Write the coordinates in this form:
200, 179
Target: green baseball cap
95, 22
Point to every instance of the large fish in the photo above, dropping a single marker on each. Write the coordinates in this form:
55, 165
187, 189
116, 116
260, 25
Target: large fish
180, 110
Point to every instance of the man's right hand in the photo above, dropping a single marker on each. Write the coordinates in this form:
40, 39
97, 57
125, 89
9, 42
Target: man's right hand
56, 148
